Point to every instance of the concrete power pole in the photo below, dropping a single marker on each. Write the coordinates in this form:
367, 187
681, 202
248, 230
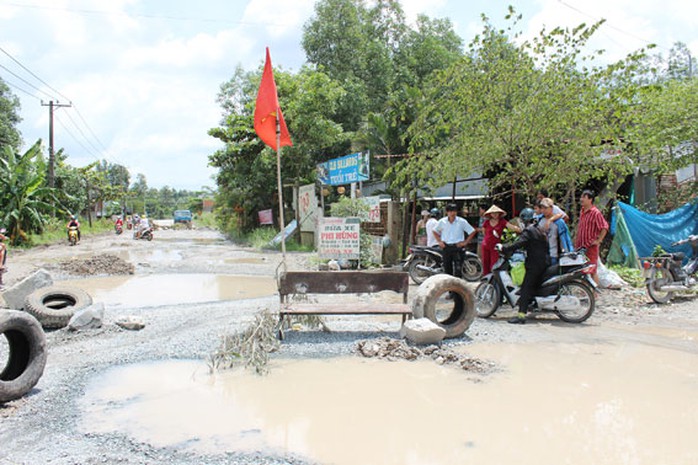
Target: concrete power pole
51, 153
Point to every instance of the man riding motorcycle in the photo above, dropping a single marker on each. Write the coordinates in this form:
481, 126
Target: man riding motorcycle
535, 242
73, 222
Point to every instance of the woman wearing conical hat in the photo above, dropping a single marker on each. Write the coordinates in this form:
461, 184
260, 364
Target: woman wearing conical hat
492, 229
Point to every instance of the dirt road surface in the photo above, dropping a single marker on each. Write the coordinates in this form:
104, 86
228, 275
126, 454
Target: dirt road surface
65, 419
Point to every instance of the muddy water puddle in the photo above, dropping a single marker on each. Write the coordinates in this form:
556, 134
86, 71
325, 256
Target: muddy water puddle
551, 404
172, 289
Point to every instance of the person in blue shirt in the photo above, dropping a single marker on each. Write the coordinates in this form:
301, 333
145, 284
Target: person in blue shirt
452, 233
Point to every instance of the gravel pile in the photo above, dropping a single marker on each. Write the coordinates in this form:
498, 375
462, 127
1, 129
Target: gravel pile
96, 265
397, 349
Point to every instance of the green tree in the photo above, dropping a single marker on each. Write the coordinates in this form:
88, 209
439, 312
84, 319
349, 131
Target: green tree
9, 118
24, 196
528, 116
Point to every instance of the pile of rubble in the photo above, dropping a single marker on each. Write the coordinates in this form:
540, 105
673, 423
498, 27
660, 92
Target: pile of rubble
96, 265
397, 349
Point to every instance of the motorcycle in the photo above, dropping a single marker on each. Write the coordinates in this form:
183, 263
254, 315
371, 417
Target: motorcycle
146, 234
665, 276
567, 289
118, 229
73, 235
424, 261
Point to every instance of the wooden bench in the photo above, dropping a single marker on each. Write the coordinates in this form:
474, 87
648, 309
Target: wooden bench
295, 283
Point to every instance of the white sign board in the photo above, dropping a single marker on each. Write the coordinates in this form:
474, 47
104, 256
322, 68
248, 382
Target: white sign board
339, 238
307, 207
374, 214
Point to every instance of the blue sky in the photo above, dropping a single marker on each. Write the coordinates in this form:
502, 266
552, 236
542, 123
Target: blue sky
143, 75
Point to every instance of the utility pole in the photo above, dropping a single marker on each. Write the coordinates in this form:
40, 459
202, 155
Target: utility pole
51, 153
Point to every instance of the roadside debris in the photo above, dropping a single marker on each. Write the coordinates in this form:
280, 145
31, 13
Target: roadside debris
395, 349
96, 265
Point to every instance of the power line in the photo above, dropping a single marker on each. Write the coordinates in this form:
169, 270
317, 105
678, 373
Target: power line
597, 18
25, 81
21, 89
34, 75
57, 104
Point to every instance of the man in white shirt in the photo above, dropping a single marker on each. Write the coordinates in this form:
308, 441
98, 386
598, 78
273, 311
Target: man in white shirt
452, 234
431, 224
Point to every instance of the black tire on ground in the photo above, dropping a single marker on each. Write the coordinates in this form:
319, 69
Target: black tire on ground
429, 302
27, 354
54, 306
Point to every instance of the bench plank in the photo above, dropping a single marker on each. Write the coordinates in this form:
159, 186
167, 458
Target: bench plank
342, 282
345, 309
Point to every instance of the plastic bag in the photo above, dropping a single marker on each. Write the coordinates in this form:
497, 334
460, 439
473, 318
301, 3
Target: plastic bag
518, 271
608, 279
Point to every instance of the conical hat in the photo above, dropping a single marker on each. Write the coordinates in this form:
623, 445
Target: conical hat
495, 209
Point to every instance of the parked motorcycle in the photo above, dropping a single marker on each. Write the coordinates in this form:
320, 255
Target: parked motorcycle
146, 234
72, 235
424, 261
567, 290
664, 275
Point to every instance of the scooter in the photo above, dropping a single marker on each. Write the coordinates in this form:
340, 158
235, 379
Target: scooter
424, 261
146, 234
567, 289
73, 235
664, 275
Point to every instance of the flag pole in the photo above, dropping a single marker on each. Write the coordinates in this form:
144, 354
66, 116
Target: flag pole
280, 188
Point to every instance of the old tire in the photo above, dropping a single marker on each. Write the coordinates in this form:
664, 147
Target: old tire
27, 354
454, 315
53, 306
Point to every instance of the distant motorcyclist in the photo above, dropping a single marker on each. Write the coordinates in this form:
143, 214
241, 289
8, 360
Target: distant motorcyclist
73, 222
535, 242
119, 225
142, 225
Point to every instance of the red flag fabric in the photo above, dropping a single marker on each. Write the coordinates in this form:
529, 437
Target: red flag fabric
267, 108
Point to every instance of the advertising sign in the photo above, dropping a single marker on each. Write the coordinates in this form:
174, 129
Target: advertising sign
344, 170
374, 214
339, 238
307, 207
265, 217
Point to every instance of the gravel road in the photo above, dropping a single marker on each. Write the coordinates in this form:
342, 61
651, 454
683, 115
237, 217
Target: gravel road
42, 427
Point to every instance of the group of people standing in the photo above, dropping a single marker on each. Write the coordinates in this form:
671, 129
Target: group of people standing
543, 234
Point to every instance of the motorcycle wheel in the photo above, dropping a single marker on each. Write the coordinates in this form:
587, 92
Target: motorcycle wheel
472, 269
659, 277
586, 298
418, 276
487, 299
149, 237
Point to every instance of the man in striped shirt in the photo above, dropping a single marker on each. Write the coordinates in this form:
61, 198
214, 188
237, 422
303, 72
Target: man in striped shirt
591, 230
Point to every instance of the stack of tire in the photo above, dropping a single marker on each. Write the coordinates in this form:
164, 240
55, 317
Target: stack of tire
45, 308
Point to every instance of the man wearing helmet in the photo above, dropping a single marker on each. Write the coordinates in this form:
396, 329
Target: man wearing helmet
535, 242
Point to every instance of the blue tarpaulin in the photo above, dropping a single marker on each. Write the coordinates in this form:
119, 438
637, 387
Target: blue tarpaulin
647, 230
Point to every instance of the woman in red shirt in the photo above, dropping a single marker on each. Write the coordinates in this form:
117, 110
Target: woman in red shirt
492, 229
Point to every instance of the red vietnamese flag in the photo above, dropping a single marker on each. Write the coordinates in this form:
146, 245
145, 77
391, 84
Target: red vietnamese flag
267, 108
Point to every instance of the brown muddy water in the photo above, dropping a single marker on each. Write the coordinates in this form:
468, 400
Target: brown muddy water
173, 288
570, 403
